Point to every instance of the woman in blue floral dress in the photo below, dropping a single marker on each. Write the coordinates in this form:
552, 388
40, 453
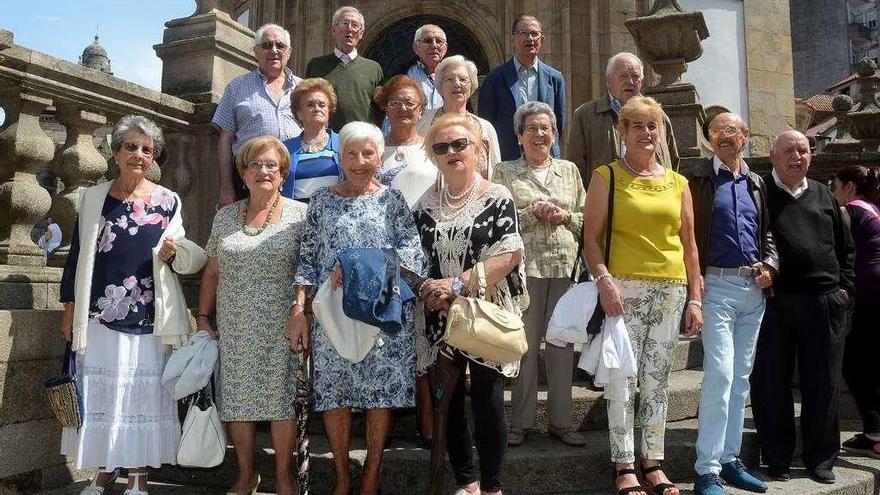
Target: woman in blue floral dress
123, 308
357, 213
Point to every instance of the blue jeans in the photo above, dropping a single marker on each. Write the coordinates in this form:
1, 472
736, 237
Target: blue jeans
732, 310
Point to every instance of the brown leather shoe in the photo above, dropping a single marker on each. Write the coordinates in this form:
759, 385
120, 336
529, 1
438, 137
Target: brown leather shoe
515, 437
568, 436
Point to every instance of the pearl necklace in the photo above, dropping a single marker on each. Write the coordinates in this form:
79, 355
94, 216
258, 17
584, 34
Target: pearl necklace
640, 174
470, 189
252, 231
447, 210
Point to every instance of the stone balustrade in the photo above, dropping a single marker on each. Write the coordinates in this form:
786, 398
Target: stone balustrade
85, 100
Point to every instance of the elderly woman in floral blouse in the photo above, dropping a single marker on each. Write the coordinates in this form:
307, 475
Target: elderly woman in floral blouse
549, 195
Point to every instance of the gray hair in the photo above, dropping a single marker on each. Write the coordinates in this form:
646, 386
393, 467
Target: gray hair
422, 28
348, 8
454, 61
790, 132
361, 131
261, 32
140, 124
531, 108
609, 69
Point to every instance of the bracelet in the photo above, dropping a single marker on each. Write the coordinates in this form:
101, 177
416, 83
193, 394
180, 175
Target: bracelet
603, 276
695, 302
422, 286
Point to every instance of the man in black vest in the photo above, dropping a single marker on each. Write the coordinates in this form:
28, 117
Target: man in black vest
807, 318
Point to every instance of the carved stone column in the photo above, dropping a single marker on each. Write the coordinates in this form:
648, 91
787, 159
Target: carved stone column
78, 165
24, 150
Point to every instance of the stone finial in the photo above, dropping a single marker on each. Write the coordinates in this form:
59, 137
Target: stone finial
669, 38
95, 57
866, 67
842, 103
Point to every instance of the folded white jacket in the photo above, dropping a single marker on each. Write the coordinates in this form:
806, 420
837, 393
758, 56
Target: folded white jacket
190, 367
610, 359
351, 338
573, 311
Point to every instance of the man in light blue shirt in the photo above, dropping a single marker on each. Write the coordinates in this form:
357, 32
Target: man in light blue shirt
255, 104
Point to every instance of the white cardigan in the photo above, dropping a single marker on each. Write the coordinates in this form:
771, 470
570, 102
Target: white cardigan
171, 321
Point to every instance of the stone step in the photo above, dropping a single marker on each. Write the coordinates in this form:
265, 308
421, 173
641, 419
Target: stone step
688, 355
588, 410
540, 466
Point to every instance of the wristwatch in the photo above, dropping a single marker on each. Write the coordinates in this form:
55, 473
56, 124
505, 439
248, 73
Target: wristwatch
457, 285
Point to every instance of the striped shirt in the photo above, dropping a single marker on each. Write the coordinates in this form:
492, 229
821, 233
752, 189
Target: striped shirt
248, 110
311, 171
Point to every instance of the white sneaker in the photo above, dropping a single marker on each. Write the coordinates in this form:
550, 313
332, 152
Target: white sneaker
136, 486
462, 491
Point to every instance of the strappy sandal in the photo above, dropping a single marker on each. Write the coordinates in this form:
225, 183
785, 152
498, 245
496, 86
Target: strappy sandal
659, 488
617, 473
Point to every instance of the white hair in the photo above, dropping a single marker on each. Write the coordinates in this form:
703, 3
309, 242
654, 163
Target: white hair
361, 131
261, 32
345, 9
609, 69
531, 108
422, 28
139, 124
790, 132
455, 61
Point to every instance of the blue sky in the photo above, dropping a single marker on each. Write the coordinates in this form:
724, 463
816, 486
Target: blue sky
128, 30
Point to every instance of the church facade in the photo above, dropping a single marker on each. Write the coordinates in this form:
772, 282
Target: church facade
746, 66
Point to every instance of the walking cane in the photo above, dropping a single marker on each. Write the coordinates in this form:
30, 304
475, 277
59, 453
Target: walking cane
302, 404
444, 378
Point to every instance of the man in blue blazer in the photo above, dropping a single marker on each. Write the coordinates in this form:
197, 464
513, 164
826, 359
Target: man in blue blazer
521, 79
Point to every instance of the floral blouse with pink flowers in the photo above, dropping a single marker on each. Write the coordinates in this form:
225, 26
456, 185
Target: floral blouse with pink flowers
122, 280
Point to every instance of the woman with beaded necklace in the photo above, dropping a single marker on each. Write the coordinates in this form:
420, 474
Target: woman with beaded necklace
468, 221
252, 256
314, 154
652, 276
549, 195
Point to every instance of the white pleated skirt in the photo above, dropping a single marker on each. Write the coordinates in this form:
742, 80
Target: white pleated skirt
129, 419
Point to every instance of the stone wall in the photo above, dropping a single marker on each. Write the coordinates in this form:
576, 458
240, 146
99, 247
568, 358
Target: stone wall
820, 45
770, 73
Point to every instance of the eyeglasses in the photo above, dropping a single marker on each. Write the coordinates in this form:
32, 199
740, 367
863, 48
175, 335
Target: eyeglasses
725, 130
133, 147
456, 79
268, 45
533, 129
257, 166
528, 34
456, 146
434, 40
405, 104
353, 25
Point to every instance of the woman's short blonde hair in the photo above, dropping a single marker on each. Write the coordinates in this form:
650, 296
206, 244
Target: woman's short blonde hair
641, 105
308, 86
255, 147
452, 62
450, 119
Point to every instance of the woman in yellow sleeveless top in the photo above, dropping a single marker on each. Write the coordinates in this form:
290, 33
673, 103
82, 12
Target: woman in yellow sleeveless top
653, 276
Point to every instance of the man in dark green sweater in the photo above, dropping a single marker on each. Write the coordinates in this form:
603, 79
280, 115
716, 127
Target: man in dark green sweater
353, 77
807, 318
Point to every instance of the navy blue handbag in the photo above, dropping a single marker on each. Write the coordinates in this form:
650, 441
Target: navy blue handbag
373, 291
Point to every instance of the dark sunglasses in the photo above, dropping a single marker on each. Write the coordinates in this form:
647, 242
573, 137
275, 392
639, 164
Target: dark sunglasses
280, 45
133, 147
455, 146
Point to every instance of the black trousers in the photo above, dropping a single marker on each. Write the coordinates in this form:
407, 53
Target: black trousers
812, 328
490, 425
859, 361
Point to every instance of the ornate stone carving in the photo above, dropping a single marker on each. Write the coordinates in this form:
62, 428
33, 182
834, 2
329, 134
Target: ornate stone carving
24, 150
79, 165
669, 38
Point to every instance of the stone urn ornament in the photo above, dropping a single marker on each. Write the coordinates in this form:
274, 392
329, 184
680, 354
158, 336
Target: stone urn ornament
864, 123
669, 37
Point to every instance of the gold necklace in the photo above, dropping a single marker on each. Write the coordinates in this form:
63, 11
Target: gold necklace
251, 231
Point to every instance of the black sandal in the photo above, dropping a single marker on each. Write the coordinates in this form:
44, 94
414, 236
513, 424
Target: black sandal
659, 488
615, 473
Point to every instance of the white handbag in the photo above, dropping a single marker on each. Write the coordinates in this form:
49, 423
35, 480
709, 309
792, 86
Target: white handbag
351, 338
203, 440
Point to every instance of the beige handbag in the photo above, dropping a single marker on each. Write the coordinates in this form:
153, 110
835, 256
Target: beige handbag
483, 329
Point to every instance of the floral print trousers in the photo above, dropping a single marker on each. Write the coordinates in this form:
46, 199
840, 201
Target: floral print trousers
652, 314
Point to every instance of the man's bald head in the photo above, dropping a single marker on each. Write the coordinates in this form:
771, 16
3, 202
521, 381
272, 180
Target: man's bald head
728, 134
791, 157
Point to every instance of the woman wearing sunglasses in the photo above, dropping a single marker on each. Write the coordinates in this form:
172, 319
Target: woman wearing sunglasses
123, 309
456, 79
468, 220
